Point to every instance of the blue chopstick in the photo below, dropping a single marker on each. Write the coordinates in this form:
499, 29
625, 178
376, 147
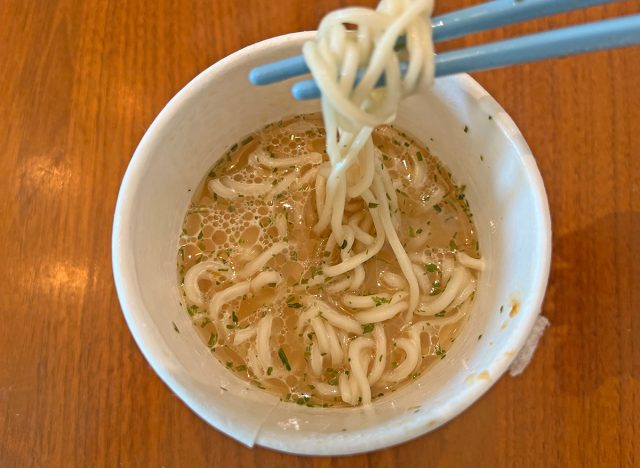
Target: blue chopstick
448, 26
490, 15
608, 34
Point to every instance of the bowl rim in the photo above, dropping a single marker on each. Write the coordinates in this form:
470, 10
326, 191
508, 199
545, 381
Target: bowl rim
154, 348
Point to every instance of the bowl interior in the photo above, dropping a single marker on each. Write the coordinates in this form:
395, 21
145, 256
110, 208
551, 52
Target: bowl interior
460, 123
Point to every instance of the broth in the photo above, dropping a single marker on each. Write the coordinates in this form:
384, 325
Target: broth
435, 224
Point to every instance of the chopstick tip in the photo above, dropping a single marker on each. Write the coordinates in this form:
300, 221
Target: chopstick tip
255, 76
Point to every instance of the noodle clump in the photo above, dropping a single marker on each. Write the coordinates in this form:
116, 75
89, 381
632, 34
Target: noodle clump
331, 287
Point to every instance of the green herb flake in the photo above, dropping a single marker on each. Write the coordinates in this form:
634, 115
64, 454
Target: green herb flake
440, 352
331, 373
453, 245
315, 271
284, 359
175, 327
419, 156
440, 314
234, 317
234, 147
466, 129
269, 370
438, 208
241, 368
294, 305
302, 400
344, 244
479, 337
258, 384
435, 288
380, 300
431, 267
373, 205
367, 327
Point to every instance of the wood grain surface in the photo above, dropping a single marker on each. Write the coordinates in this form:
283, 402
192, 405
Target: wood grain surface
81, 80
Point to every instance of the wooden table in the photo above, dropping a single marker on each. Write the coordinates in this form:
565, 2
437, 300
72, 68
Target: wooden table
81, 80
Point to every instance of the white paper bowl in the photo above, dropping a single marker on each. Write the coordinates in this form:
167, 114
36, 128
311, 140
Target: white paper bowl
217, 109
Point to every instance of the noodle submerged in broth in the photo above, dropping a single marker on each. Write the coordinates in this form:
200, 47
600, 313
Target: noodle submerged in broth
267, 292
